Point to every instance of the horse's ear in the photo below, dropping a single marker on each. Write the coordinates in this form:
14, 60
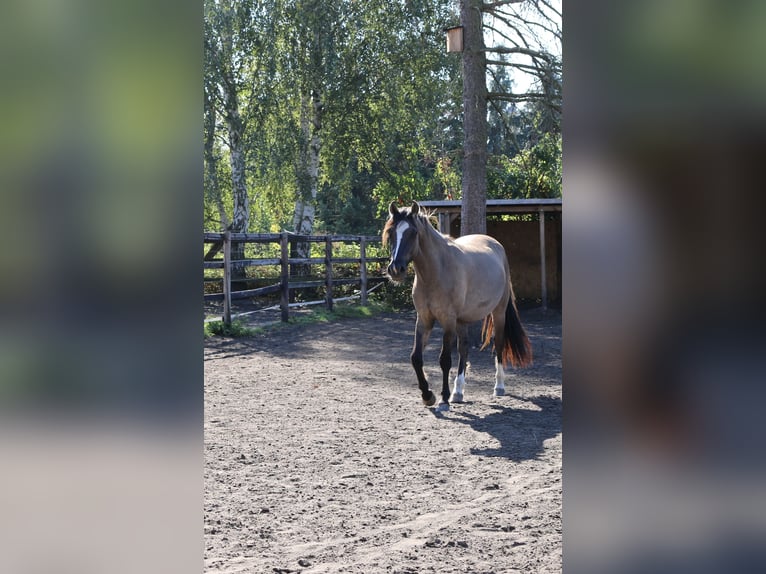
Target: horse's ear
415, 208
392, 209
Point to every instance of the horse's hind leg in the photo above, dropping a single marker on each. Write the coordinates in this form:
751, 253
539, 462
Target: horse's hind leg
422, 333
498, 317
499, 390
462, 349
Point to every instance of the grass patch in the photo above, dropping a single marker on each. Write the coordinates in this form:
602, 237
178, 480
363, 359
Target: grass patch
340, 311
236, 329
307, 317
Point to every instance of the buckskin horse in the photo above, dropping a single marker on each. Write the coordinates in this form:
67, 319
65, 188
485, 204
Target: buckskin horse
457, 282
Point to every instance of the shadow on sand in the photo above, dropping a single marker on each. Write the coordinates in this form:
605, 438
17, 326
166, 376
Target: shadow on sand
520, 431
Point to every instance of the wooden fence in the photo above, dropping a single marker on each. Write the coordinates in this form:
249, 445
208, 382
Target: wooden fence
222, 242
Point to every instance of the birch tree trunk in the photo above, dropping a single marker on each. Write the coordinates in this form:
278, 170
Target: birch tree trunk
212, 189
308, 174
241, 213
473, 212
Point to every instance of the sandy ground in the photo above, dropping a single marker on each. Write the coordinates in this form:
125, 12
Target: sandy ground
320, 456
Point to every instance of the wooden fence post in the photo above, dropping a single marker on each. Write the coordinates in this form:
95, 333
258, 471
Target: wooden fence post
363, 270
543, 277
227, 278
284, 303
295, 270
328, 270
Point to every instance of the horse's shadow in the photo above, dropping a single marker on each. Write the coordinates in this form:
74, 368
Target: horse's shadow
520, 431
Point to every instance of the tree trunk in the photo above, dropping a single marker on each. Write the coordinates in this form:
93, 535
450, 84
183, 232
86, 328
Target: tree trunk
473, 212
308, 170
308, 175
212, 189
241, 213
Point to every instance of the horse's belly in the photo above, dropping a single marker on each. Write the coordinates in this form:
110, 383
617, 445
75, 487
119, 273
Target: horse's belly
477, 309
486, 289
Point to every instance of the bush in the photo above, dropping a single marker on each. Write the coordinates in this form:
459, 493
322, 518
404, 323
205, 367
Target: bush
397, 297
236, 329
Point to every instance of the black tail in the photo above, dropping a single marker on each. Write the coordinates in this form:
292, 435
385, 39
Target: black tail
517, 349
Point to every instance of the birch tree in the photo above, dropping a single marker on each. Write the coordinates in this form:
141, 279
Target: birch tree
237, 58
312, 97
229, 43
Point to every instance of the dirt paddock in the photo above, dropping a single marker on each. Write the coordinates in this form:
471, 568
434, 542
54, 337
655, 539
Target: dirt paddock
320, 456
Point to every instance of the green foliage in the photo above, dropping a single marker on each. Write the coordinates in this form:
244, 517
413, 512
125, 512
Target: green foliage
532, 173
340, 311
447, 176
397, 297
308, 316
391, 112
386, 88
236, 329
347, 206
543, 167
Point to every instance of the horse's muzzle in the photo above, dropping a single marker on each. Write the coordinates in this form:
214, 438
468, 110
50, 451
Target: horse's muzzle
397, 273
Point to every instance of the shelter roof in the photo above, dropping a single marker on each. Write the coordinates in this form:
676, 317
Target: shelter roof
501, 206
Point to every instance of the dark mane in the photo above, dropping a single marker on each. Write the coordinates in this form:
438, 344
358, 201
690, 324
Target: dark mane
425, 221
389, 225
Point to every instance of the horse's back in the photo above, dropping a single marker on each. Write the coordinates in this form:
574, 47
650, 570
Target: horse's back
485, 272
483, 251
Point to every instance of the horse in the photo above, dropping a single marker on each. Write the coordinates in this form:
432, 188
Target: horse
457, 282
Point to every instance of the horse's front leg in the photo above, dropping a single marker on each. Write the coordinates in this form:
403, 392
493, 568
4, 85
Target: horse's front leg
422, 333
445, 361
462, 348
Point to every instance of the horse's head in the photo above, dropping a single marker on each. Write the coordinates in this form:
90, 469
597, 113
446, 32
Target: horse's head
401, 233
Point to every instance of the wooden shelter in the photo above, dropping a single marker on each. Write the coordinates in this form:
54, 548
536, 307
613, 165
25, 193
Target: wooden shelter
530, 231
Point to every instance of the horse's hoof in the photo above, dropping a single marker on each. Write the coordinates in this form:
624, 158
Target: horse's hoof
456, 398
443, 407
499, 392
430, 401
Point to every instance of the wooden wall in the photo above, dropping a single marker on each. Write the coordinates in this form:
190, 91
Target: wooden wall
521, 240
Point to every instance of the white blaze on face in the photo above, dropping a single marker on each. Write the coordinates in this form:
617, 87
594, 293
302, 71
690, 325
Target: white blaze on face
400, 229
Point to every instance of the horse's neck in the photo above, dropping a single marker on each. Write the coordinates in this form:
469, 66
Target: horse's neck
430, 258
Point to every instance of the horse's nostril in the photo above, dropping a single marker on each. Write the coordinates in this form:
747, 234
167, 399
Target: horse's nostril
395, 269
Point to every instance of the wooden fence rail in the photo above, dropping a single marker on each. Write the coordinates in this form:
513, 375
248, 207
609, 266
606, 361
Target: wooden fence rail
222, 243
